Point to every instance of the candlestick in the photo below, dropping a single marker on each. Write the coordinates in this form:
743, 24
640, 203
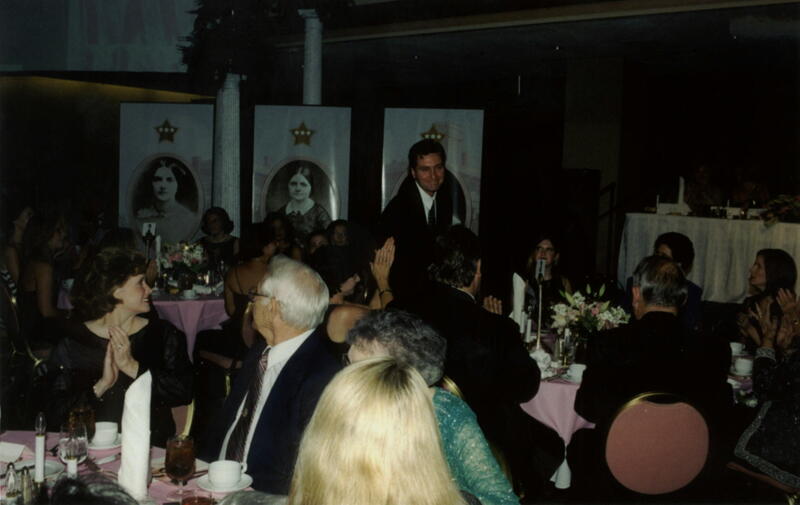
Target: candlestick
539, 326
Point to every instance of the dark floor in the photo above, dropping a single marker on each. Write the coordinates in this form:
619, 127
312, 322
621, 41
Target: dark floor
730, 487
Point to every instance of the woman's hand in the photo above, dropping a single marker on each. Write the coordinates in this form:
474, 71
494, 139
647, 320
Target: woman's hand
384, 258
110, 373
122, 352
789, 304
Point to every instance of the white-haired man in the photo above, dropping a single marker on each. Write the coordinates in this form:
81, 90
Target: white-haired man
281, 379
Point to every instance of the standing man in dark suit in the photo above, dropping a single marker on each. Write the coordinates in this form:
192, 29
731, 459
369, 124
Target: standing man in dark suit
281, 379
421, 210
487, 359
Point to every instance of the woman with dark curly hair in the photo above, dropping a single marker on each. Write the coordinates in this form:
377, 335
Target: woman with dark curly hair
167, 195
218, 243
99, 358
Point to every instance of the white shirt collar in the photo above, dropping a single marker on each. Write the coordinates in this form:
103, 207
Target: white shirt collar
283, 351
427, 200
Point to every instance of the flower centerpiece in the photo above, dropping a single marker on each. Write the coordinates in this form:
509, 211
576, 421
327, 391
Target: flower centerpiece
183, 263
783, 208
585, 314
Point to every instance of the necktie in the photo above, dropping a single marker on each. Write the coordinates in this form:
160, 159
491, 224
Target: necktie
238, 438
432, 216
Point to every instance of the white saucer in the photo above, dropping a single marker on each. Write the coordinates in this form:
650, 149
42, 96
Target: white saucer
204, 483
101, 447
739, 374
182, 297
570, 378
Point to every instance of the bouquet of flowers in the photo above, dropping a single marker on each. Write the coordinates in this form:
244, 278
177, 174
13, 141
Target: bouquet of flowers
584, 314
182, 259
783, 208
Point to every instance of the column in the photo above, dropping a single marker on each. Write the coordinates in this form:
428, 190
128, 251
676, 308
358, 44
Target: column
226, 191
312, 63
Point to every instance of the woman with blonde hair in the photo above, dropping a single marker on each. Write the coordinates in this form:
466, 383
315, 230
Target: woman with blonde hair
373, 440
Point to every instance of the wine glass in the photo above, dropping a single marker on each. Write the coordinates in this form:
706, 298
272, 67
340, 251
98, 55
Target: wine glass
73, 445
179, 463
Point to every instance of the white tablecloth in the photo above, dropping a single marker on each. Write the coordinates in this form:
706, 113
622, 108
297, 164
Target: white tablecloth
724, 249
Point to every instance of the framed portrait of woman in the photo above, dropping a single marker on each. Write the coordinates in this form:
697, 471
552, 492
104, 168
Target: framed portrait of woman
301, 190
164, 190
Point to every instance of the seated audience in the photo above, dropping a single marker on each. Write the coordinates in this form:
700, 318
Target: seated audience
679, 248
13, 241
338, 233
487, 359
281, 379
654, 353
108, 345
284, 235
771, 444
553, 283
412, 342
773, 270
219, 244
373, 439
44, 237
316, 240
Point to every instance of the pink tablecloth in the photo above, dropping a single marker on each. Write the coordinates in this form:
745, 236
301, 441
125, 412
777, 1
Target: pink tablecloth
159, 489
192, 316
554, 406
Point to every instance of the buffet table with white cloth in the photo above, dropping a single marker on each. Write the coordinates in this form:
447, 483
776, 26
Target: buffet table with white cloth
724, 249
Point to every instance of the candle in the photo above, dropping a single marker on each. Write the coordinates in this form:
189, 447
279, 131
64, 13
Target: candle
528, 330
38, 472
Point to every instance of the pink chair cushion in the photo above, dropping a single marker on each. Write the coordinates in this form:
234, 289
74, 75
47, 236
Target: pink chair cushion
657, 448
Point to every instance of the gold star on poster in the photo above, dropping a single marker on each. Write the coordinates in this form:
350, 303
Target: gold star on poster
433, 134
166, 132
302, 134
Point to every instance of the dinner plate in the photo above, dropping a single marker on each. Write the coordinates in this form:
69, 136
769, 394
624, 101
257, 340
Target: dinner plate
113, 445
51, 466
204, 483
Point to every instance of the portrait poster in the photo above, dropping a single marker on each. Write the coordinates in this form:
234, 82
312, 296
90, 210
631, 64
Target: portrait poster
301, 164
460, 131
165, 153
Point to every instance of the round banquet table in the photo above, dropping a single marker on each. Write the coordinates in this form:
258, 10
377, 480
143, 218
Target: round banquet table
160, 488
554, 406
191, 316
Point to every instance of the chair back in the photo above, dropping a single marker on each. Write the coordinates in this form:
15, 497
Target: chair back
657, 443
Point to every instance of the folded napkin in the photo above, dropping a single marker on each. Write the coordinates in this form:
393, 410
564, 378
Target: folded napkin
134, 470
10, 452
518, 302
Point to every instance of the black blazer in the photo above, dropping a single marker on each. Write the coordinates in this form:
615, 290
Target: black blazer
404, 218
286, 413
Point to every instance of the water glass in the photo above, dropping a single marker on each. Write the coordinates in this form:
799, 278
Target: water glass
73, 443
179, 463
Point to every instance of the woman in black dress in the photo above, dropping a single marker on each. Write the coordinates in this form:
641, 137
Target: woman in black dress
100, 357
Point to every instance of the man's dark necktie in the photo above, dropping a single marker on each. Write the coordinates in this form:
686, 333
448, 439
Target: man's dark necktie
432, 216
238, 438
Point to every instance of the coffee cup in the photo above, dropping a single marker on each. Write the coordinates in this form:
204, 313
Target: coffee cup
575, 372
743, 366
105, 433
188, 293
737, 348
225, 473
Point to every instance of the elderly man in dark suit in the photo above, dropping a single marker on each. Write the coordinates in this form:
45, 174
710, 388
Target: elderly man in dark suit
487, 359
421, 211
281, 379
654, 353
